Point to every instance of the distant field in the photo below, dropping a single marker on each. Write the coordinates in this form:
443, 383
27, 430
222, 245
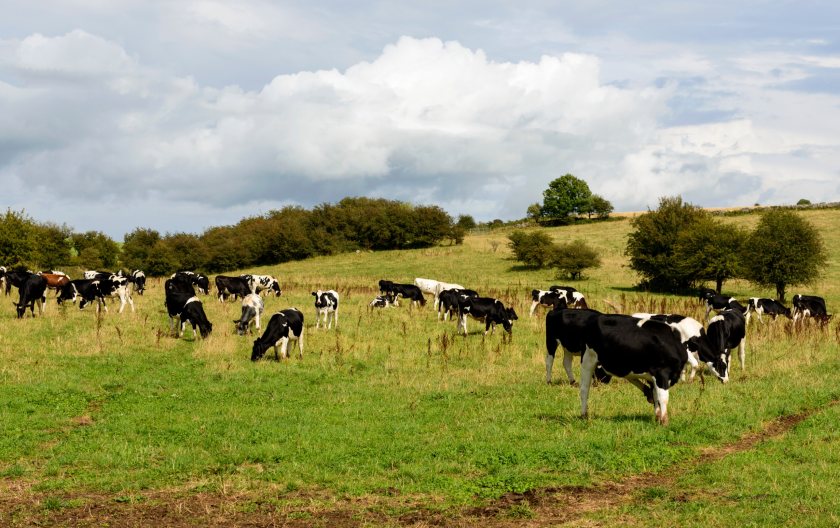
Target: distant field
394, 420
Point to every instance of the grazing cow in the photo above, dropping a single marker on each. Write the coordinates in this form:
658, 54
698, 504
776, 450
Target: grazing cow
448, 301
566, 327
260, 283
326, 305
722, 302
770, 307
696, 341
726, 332
236, 286
409, 292
548, 298
252, 308
16, 278
83, 290
138, 278
200, 281
574, 299
491, 311
187, 308
55, 281
442, 287
383, 301
648, 354
117, 286
282, 327
426, 285
98, 275
31, 291
809, 306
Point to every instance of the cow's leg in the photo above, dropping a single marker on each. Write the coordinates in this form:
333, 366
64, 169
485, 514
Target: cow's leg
644, 387
122, 304
258, 320
276, 357
708, 311
549, 363
317, 318
181, 328
284, 348
335, 318
300, 343
130, 300
742, 353
587, 368
567, 366
533, 307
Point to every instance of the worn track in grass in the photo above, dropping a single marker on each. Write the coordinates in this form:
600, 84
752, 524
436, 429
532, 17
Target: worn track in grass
21, 506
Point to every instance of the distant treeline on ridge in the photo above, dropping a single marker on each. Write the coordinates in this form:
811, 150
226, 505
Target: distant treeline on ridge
290, 233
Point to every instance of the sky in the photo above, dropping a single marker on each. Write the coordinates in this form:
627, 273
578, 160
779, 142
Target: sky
181, 115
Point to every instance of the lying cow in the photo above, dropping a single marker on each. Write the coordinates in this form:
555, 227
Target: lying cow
187, 308
383, 301
282, 327
326, 305
771, 307
252, 308
490, 311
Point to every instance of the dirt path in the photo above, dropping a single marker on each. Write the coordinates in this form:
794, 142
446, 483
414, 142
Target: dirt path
20, 506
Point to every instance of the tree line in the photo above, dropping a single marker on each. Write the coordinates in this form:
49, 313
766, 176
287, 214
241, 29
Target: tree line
291, 233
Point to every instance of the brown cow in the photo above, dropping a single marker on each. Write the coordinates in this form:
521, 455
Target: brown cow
55, 281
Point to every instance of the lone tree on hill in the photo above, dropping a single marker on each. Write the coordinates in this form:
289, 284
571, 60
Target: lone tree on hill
565, 196
784, 249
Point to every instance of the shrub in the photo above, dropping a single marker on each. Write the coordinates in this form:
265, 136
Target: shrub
572, 258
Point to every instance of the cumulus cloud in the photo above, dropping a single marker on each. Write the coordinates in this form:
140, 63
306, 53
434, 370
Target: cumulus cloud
430, 121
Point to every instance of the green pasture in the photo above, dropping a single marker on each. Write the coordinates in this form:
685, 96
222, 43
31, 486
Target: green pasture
394, 405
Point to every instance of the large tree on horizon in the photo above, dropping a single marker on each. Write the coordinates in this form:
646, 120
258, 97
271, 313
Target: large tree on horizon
565, 196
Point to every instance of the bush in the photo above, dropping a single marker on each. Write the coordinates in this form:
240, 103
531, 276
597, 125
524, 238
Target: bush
572, 258
535, 249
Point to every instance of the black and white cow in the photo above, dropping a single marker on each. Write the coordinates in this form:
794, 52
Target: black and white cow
771, 307
574, 299
722, 302
236, 286
696, 341
726, 332
385, 286
263, 283
283, 326
548, 298
16, 278
442, 287
117, 286
491, 311
138, 278
32, 290
187, 308
705, 293
383, 301
809, 306
252, 308
567, 328
97, 275
648, 354
199, 280
448, 301
326, 305
410, 292
83, 291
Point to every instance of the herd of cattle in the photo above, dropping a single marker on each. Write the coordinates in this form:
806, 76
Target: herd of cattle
651, 351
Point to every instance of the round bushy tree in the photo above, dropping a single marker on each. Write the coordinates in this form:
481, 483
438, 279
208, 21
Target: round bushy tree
565, 196
784, 249
710, 250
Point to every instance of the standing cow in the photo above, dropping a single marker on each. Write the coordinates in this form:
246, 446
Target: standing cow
326, 305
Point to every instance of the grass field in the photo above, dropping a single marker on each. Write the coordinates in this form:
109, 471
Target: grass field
392, 419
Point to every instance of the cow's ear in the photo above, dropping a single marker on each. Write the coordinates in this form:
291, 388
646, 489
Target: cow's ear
314, 294
236, 320
16, 304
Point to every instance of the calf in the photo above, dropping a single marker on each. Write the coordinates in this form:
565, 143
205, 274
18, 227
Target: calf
383, 301
282, 327
252, 308
260, 283
809, 306
236, 286
410, 292
648, 354
574, 299
770, 307
722, 302
728, 331
448, 301
491, 311
187, 308
696, 341
31, 291
326, 304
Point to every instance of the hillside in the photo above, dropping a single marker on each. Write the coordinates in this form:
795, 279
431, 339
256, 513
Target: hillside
395, 420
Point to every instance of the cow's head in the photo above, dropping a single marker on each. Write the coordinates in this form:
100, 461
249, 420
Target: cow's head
275, 288
21, 309
68, 293
716, 360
